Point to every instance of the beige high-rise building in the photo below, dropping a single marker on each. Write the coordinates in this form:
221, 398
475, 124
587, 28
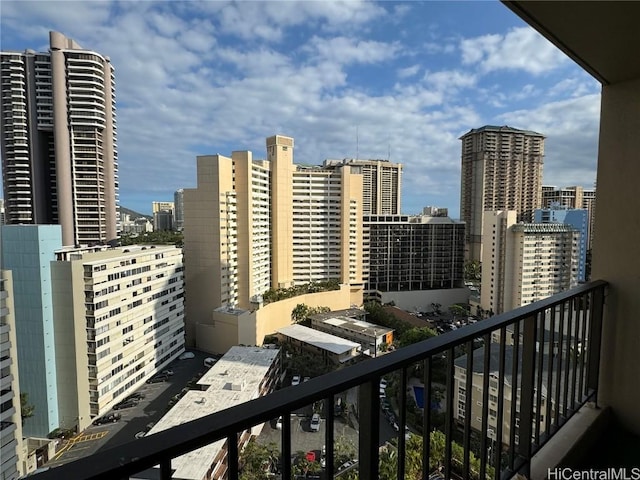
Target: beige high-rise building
381, 184
59, 150
525, 262
501, 170
572, 197
252, 225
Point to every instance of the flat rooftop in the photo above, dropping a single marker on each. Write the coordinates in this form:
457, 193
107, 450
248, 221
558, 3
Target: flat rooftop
356, 326
233, 380
325, 341
348, 312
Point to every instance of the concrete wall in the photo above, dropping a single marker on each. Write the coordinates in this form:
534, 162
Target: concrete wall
421, 300
250, 328
615, 250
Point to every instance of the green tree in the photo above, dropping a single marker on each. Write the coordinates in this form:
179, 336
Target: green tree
300, 313
415, 335
27, 410
258, 460
473, 271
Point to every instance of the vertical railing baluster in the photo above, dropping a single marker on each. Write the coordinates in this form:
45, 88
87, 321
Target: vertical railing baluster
403, 422
526, 390
329, 435
515, 416
468, 402
286, 445
575, 355
561, 374
426, 420
540, 328
165, 469
496, 451
586, 303
369, 408
232, 457
595, 338
550, 372
567, 361
486, 372
448, 424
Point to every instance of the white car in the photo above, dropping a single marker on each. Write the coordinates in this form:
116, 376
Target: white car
295, 380
315, 422
279, 423
383, 383
187, 355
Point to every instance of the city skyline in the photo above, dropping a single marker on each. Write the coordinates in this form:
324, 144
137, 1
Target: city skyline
370, 80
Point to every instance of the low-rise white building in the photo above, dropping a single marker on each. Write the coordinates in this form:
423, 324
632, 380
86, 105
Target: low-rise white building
330, 347
118, 320
370, 336
242, 374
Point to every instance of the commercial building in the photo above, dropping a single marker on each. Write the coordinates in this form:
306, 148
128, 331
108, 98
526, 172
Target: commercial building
578, 218
254, 225
501, 170
27, 251
59, 148
525, 262
163, 220
381, 184
331, 348
118, 320
572, 197
414, 260
371, 337
10, 415
242, 374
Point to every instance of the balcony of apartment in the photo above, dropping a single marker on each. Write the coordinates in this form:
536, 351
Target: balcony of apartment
574, 359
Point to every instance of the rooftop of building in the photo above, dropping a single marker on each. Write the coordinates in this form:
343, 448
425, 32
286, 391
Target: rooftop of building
100, 252
502, 129
233, 380
322, 340
347, 312
414, 219
354, 325
543, 228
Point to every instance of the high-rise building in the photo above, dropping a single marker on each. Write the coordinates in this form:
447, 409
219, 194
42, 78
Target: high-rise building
118, 320
28, 250
572, 197
58, 130
417, 252
381, 184
10, 414
252, 225
178, 211
578, 218
161, 207
525, 262
163, 220
501, 170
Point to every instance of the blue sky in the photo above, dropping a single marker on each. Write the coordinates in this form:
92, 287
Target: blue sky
406, 79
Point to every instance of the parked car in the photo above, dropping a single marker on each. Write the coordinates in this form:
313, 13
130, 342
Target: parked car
111, 418
209, 362
125, 404
187, 355
295, 380
135, 396
306, 379
163, 377
383, 383
167, 372
279, 423
140, 434
315, 422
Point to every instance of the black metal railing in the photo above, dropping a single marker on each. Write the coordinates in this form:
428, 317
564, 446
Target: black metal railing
493, 392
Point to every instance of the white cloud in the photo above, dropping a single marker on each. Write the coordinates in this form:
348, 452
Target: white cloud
408, 71
519, 49
346, 50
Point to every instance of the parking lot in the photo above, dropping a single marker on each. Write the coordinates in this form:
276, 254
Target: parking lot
139, 418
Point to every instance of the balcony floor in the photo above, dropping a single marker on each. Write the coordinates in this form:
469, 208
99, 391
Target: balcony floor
616, 447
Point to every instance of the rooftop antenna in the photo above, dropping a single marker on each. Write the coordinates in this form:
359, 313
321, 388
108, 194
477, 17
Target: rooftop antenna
389, 153
357, 144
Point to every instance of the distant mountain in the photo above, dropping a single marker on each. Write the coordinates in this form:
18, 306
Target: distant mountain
133, 214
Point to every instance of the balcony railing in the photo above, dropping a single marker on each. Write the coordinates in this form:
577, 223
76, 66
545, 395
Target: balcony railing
506, 385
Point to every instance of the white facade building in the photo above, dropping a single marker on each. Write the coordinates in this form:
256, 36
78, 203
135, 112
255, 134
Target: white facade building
118, 320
